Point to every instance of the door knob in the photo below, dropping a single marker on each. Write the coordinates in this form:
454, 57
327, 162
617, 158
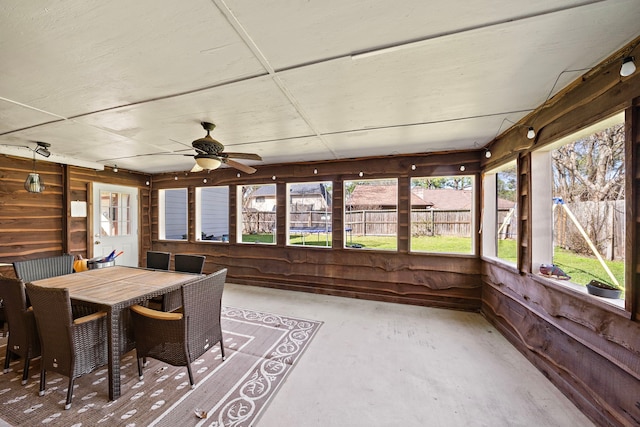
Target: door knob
97, 242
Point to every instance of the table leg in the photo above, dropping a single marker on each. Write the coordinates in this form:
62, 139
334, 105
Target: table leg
113, 318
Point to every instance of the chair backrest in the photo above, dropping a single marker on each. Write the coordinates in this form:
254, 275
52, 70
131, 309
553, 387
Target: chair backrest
189, 263
23, 334
52, 310
158, 260
43, 268
202, 304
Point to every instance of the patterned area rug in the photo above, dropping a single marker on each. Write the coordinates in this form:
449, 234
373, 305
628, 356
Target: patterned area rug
261, 349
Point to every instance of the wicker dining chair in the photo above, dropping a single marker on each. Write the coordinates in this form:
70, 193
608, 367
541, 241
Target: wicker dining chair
69, 347
23, 333
185, 263
180, 338
158, 260
43, 268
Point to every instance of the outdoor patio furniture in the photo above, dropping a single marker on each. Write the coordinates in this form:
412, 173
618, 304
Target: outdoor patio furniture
69, 347
180, 338
42, 268
23, 334
158, 260
188, 264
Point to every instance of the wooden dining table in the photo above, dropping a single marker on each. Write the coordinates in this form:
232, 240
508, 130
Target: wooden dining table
114, 290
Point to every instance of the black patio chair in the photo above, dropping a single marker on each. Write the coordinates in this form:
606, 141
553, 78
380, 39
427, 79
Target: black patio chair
185, 263
158, 260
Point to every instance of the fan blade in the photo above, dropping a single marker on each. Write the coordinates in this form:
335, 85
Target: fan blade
240, 166
196, 168
247, 156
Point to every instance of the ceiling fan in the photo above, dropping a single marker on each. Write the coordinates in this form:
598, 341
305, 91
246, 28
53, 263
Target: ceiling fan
210, 154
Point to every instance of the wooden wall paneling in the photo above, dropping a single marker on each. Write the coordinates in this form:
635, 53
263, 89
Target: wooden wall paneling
233, 213
404, 213
282, 200
590, 360
66, 210
524, 213
586, 346
337, 217
632, 209
32, 224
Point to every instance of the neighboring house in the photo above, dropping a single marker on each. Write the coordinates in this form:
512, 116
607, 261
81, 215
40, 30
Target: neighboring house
380, 197
386, 197
302, 198
309, 197
263, 199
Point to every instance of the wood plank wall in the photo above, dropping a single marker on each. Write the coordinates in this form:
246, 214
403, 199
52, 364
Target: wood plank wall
434, 280
588, 348
40, 225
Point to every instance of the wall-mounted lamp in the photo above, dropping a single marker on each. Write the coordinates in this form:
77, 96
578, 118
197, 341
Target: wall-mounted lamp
628, 66
487, 153
147, 183
204, 180
462, 168
531, 133
238, 175
115, 168
273, 177
43, 149
175, 178
361, 174
413, 167
315, 171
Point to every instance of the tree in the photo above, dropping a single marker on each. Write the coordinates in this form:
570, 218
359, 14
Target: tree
589, 172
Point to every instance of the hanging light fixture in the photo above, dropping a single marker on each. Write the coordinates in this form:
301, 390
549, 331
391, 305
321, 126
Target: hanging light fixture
33, 183
208, 162
628, 66
531, 133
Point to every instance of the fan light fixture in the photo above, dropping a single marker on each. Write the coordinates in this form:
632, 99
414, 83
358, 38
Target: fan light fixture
207, 162
628, 66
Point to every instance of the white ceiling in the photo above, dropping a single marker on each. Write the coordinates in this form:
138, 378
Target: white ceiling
119, 81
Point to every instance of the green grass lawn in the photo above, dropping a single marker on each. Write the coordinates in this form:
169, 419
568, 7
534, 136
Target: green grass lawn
582, 269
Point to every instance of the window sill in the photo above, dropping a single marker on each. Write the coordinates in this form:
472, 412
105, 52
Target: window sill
616, 306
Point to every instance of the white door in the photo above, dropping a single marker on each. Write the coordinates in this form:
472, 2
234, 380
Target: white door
115, 222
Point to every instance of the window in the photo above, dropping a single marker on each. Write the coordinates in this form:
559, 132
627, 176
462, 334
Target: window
309, 214
371, 214
257, 221
442, 212
578, 203
173, 217
115, 214
499, 224
212, 214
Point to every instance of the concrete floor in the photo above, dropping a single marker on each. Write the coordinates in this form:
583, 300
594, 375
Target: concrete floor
381, 364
